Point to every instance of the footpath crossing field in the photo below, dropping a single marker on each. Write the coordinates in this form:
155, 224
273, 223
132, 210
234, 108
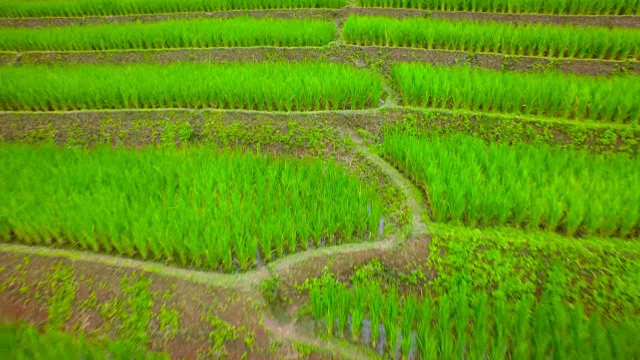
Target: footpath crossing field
271, 179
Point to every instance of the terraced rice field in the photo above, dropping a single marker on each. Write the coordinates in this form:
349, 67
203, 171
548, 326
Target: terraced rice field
432, 179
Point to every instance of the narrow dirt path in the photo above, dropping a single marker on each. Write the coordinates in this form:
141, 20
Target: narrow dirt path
412, 196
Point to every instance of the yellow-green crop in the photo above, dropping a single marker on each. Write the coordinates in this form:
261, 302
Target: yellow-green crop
24, 341
523, 39
469, 181
260, 86
556, 7
548, 94
463, 323
199, 33
195, 207
48, 8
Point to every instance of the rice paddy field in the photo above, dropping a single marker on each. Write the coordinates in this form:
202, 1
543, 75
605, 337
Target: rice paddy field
320, 179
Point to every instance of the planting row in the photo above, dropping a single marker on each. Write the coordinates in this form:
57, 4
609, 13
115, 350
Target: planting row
555, 7
528, 40
471, 182
172, 34
316, 86
23, 341
59, 8
465, 324
265, 86
549, 94
195, 207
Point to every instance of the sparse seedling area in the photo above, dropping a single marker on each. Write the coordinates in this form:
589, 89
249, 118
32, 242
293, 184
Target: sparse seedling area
319, 179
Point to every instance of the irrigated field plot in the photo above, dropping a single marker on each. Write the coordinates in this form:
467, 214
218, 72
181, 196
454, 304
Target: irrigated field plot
320, 179
266, 86
193, 207
204, 33
471, 182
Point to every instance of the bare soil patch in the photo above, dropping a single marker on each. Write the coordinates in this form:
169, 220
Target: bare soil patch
25, 291
377, 58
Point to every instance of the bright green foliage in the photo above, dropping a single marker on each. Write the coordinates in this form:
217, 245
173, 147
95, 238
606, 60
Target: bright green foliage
42, 8
471, 182
558, 7
192, 206
550, 94
22, 341
262, 86
524, 39
171, 34
461, 323
598, 272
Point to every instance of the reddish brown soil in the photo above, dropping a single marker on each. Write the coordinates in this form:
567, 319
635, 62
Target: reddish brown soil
134, 127
381, 58
192, 301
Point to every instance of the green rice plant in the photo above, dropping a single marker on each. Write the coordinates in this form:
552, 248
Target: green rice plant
390, 319
200, 33
467, 324
464, 176
427, 339
480, 336
500, 317
555, 7
193, 207
462, 319
409, 314
523, 327
375, 311
313, 86
446, 328
344, 305
24, 341
73, 8
548, 94
358, 312
475, 37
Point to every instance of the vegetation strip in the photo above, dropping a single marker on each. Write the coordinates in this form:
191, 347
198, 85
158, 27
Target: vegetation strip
264, 86
193, 207
549, 94
463, 322
24, 341
555, 7
44, 8
202, 33
491, 37
473, 183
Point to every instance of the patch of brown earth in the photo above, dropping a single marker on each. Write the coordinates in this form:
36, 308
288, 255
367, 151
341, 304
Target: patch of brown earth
193, 301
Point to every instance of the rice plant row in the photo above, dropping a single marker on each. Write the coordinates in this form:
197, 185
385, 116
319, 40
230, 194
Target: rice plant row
200, 33
554, 7
73, 8
23, 341
547, 94
466, 325
471, 182
526, 39
193, 207
261, 86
